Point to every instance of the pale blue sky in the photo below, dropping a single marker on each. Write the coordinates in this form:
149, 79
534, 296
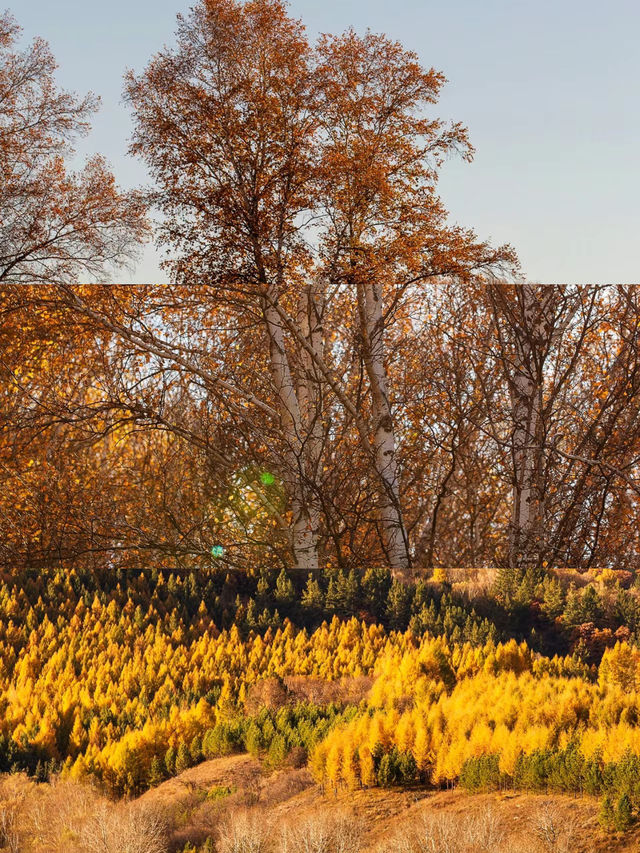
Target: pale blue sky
549, 90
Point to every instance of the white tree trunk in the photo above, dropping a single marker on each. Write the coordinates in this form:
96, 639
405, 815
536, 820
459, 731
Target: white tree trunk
309, 392
391, 520
304, 533
531, 342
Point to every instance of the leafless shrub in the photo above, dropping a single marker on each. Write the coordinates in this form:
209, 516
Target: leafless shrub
266, 693
275, 692
282, 786
484, 832
57, 813
477, 833
440, 834
246, 832
127, 829
555, 832
323, 832
297, 758
10, 825
308, 688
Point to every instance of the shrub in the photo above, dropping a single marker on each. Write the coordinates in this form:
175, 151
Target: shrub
246, 832
183, 758
606, 813
131, 828
323, 832
623, 817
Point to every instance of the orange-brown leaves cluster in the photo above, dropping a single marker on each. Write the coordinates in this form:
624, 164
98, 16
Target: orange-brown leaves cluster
55, 224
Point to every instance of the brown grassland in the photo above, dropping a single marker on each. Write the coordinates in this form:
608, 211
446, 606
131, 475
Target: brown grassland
234, 804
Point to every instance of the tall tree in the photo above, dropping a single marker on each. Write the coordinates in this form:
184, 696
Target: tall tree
298, 190
529, 316
387, 237
54, 224
225, 123
569, 364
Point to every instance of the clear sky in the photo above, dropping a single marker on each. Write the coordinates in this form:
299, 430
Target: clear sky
550, 91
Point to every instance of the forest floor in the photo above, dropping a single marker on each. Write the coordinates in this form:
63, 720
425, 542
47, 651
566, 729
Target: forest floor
197, 799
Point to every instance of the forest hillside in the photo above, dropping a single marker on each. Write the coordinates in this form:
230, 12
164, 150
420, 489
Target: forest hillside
422, 687
327, 541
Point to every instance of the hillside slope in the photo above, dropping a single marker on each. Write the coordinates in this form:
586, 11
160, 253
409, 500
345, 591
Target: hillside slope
197, 803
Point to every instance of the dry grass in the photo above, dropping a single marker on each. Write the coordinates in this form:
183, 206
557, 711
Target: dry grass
241, 772
327, 831
444, 833
246, 832
68, 817
285, 813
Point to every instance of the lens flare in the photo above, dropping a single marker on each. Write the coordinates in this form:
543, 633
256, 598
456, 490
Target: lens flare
267, 478
217, 551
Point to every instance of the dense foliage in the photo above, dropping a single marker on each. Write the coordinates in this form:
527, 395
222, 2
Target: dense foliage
135, 677
493, 717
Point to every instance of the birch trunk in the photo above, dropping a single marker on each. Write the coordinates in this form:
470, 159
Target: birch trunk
394, 535
309, 395
304, 532
531, 344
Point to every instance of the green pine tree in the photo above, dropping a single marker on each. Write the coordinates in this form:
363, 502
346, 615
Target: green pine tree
375, 589
553, 597
183, 758
170, 761
195, 749
398, 605
156, 774
312, 598
623, 817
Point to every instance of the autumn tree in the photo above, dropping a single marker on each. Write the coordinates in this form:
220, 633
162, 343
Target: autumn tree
529, 321
569, 416
455, 494
335, 375
88, 476
56, 224
225, 123
387, 236
303, 184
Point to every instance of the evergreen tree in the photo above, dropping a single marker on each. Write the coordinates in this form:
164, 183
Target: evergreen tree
170, 761
156, 774
623, 817
398, 605
312, 598
606, 813
277, 751
183, 758
195, 749
262, 589
375, 589
553, 597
